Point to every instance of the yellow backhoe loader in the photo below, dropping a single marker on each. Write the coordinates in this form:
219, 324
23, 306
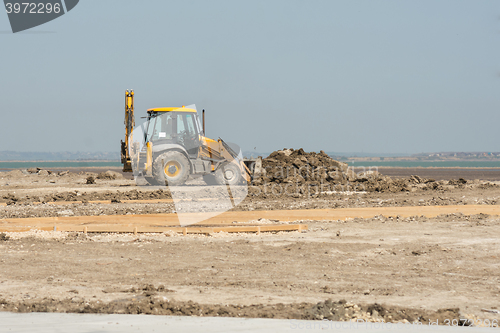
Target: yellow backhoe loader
174, 147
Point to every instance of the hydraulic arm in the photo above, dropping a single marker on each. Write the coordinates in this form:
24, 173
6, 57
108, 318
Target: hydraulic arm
129, 126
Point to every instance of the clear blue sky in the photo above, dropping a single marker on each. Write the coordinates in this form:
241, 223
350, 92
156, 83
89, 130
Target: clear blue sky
343, 76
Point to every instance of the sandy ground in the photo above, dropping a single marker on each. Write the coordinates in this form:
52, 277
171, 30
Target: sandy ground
412, 266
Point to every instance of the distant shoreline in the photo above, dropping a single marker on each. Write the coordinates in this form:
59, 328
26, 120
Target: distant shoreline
64, 161
58, 165
100, 164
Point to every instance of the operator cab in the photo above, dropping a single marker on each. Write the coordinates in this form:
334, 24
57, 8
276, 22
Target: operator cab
174, 126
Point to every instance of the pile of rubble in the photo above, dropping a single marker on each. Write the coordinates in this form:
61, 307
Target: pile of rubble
297, 166
300, 171
329, 312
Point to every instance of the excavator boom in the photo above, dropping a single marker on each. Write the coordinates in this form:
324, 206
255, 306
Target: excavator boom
129, 126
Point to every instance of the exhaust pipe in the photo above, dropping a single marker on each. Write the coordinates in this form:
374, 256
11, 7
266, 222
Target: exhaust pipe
204, 133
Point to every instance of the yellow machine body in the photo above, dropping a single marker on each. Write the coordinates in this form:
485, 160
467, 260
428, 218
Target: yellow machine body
215, 152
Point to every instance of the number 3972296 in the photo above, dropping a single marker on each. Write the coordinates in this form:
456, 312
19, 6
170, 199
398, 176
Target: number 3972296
33, 8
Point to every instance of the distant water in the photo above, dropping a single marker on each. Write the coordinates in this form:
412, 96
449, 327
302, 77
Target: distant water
428, 164
398, 164
57, 164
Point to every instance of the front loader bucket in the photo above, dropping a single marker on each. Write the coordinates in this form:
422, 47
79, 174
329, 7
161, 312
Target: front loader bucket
254, 166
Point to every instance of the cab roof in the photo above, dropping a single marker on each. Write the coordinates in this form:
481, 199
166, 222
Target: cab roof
176, 109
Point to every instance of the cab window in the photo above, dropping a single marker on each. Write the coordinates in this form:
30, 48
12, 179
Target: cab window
190, 125
185, 125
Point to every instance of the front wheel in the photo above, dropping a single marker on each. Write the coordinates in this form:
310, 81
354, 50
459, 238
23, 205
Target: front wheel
229, 174
171, 168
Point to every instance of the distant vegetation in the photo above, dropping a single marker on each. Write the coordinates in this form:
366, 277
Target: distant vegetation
458, 155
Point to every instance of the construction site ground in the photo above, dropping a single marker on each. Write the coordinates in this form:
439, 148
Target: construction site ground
411, 266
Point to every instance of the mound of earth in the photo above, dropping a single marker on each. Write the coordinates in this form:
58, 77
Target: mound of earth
110, 175
298, 166
14, 174
153, 304
11, 198
300, 172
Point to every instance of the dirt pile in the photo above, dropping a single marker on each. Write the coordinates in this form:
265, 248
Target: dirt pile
36, 171
340, 311
35, 174
161, 305
28, 177
296, 172
299, 172
376, 182
11, 199
297, 166
14, 174
85, 197
110, 175
109, 195
39, 171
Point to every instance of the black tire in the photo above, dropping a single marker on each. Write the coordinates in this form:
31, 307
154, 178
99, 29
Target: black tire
210, 179
171, 168
230, 174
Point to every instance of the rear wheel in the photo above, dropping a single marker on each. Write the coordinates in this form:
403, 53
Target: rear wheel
171, 168
229, 174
